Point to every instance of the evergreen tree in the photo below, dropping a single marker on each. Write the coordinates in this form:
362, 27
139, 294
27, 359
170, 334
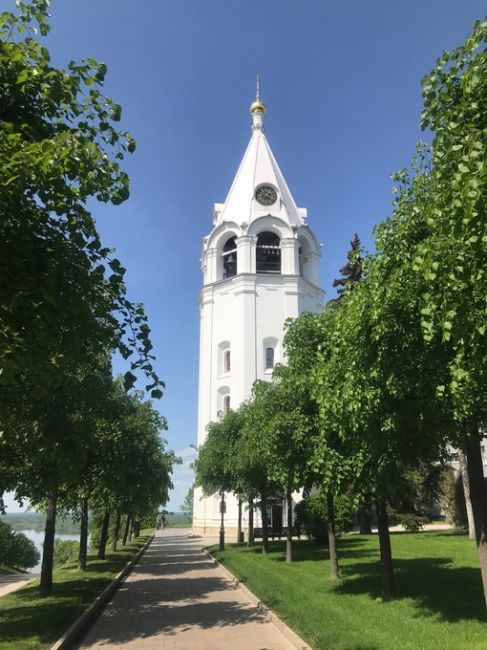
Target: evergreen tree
352, 271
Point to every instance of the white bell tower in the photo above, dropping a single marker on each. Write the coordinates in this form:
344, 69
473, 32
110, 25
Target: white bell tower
260, 267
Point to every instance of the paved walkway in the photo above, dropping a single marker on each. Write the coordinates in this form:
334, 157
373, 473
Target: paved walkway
176, 599
10, 582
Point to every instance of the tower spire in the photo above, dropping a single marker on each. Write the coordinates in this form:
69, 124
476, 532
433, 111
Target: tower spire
257, 109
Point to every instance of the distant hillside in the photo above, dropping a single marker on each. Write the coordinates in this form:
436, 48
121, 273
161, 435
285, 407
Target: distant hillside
36, 521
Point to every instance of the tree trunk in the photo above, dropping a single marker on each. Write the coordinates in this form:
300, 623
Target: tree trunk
385, 550
364, 519
104, 536
250, 540
239, 522
116, 531
126, 530
462, 460
265, 529
131, 528
478, 495
83, 536
332, 538
137, 528
289, 538
48, 547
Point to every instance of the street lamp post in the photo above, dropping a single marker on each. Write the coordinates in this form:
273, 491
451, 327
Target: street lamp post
222, 521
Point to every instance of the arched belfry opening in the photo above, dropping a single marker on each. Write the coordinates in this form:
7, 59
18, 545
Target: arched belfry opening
229, 256
308, 258
268, 253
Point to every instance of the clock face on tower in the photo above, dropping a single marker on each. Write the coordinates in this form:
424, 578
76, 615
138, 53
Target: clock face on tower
266, 195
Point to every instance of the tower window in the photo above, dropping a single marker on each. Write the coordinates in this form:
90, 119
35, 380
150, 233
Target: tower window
226, 361
226, 404
268, 254
269, 358
229, 256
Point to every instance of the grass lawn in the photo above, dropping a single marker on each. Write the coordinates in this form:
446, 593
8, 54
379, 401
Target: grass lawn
438, 592
29, 621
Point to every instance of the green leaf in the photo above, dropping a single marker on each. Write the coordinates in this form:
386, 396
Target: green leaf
23, 76
129, 380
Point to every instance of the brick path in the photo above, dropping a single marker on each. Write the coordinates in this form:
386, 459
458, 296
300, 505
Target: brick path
177, 599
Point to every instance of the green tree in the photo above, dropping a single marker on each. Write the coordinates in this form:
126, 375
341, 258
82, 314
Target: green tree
53, 457
187, 505
62, 297
16, 550
352, 271
61, 289
246, 471
215, 467
381, 378
134, 468
377, 411
255, 453
309, 343
453, 258
287, 428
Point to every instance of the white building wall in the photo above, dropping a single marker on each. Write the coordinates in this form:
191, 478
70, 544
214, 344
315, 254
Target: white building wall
247, 312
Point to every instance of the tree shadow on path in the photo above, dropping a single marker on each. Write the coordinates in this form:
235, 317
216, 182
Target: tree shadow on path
182, 609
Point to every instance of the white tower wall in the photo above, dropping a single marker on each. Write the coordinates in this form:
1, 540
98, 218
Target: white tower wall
245, 313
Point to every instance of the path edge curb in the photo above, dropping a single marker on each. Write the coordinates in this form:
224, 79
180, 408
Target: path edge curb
95, 608
285, 630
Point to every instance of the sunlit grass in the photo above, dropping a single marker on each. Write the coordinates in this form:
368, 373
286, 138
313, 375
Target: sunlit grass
438, 592
29, 621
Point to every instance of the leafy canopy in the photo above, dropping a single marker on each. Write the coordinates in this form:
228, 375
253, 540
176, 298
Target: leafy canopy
61, 291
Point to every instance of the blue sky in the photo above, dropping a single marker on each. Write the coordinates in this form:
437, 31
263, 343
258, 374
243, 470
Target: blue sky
341, 81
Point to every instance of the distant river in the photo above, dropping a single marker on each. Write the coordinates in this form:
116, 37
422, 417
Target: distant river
37, 536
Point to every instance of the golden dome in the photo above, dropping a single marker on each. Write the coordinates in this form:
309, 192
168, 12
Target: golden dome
257, 106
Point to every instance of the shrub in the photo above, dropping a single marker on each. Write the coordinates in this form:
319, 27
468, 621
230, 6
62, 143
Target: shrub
16, 550
311, 516
411, 521
65, 550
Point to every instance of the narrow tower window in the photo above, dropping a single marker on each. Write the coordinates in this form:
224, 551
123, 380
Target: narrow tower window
269, 358
229, 255
224, 359
226, 404
268, 256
